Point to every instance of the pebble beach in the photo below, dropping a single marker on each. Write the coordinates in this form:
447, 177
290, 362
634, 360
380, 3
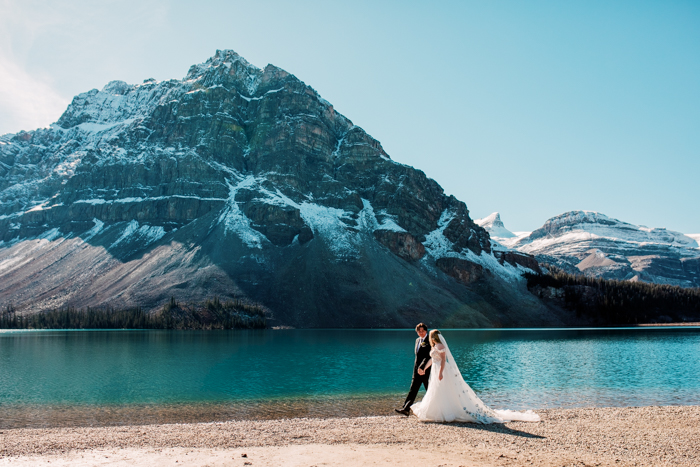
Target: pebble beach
632, 436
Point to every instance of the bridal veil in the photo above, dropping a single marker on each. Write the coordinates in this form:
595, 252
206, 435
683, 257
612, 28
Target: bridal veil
452, 400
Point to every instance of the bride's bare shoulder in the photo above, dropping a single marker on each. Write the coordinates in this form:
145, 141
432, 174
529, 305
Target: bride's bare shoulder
439, 346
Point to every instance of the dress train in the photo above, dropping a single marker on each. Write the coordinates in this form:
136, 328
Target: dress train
453, 400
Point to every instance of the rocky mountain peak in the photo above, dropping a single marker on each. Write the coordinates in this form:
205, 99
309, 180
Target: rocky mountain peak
119, 88
494, 226
226, 68
490, 220
599, 224
572, 220
580, 217
227, 59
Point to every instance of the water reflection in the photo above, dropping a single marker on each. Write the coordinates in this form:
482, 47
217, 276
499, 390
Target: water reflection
108, 377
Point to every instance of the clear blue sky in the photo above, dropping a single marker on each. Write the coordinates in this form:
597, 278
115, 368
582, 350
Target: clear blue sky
527, 108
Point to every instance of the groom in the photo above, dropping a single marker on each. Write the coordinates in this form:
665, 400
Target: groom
420, 376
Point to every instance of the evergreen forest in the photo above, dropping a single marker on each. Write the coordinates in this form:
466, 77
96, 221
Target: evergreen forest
212, 314
617, 303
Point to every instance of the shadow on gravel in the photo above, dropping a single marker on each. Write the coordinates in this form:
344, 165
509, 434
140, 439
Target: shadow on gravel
498, 428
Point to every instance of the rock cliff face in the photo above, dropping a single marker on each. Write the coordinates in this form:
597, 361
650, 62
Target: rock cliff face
240, 182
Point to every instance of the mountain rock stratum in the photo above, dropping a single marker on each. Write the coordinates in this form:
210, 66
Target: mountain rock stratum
240, 182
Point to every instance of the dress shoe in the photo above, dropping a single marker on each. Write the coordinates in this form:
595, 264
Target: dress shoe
405, 412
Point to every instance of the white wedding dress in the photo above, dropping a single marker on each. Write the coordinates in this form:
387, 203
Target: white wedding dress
452, 400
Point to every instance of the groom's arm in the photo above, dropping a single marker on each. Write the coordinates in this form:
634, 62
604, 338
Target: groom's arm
425, 361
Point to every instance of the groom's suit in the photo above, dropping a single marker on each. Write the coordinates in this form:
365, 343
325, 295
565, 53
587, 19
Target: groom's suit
422, 349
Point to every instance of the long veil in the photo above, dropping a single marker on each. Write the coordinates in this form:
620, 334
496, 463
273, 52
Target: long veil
469, 403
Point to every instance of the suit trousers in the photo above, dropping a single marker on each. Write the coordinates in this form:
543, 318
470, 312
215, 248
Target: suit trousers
415, 386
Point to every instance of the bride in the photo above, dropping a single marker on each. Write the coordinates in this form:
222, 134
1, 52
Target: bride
450, 399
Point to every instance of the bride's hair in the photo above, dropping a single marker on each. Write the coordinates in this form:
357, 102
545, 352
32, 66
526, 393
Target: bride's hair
435, 336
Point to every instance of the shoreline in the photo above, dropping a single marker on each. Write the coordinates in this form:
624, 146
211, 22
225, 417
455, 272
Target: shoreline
668, 324
289, 328
590, 436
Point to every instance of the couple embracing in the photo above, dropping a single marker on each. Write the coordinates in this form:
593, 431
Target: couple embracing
448, 398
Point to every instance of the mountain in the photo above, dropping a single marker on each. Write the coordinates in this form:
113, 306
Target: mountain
494, 226
597, 245
240, 182
501, 237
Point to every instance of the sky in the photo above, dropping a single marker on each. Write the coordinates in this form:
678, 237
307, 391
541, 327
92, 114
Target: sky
531, 109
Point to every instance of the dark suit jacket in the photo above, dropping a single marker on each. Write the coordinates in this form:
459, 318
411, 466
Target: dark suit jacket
422, 355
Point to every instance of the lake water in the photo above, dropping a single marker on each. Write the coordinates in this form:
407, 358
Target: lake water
54, 378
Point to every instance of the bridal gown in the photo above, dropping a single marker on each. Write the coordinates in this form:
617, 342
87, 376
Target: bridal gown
452, 400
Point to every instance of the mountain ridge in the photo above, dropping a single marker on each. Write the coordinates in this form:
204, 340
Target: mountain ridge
245, 184
594, 244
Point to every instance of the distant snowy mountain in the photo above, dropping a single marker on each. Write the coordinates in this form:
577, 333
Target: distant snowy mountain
597, 245
494, 226
242, 182
498, 231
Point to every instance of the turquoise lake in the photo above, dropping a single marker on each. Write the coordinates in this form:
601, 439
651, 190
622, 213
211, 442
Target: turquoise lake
55, 378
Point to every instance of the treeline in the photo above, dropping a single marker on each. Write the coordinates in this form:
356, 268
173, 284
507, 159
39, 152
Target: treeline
618, 302
212, 314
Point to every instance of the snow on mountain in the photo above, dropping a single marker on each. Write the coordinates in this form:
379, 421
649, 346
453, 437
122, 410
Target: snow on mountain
494, 226
593, 243
695, 237
564, 232
501, 236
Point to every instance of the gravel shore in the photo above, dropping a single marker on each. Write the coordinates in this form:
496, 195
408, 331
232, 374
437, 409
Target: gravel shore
649, 436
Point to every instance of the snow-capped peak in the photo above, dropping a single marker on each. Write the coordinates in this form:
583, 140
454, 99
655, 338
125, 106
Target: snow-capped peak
570, 230
119, 101
582, 217
117, 87
226, 66
591, 222
493, 224
226, 58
